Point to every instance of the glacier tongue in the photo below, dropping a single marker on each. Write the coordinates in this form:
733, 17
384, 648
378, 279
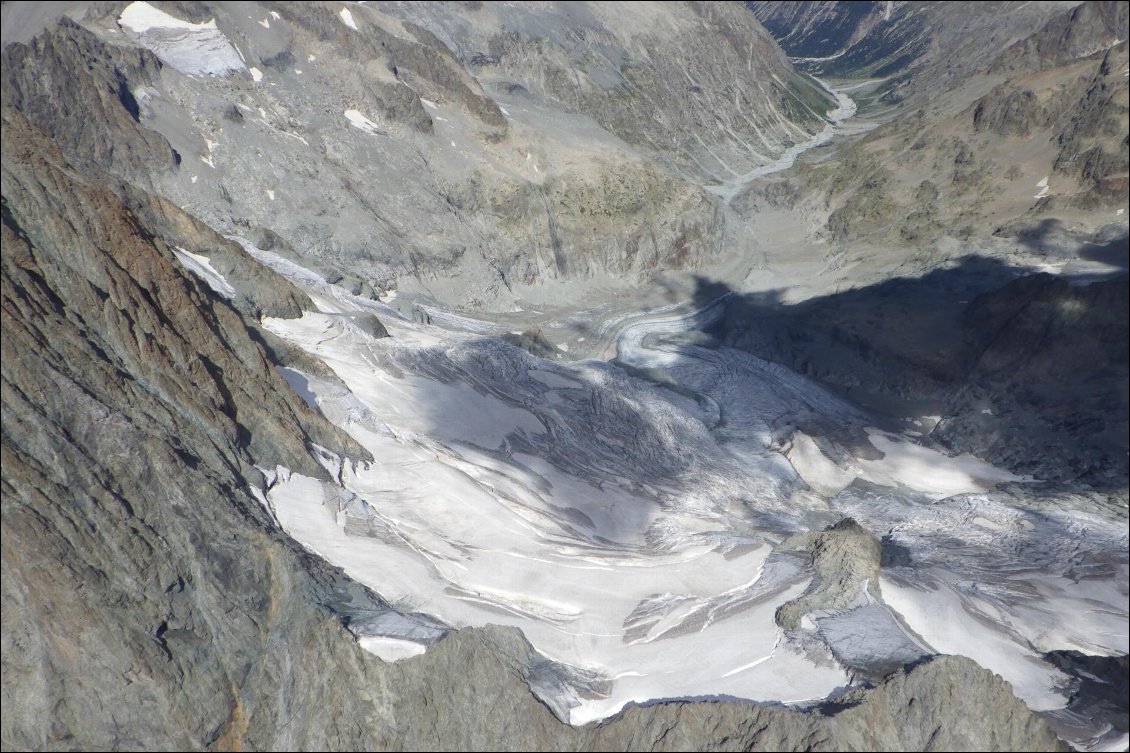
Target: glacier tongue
632, 530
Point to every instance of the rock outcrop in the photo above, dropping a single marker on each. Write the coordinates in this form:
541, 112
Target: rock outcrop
79, 90
485, 158
148, 603
1090, 27
845, 560
1030, 373
919, 48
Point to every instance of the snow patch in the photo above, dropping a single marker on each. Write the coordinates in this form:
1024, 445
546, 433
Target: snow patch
202, 267
391, 649
929, 471
357, 120
953, 625
195, 49
141, 17
822, 475
347, 18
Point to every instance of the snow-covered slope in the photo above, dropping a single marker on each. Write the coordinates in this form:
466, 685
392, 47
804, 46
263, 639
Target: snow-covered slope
619, 523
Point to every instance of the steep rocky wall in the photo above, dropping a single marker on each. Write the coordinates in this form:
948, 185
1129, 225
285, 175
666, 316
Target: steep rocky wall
78, 91
1029, 373
146, 601
1090, 27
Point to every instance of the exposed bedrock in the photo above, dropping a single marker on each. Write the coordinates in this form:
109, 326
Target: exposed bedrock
466, 153
845, 559
485, 155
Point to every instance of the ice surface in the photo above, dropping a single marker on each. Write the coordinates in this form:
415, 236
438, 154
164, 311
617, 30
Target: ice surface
923, 469
517, 491
391, 649
190, 48
956, 626
820, 473
628, 528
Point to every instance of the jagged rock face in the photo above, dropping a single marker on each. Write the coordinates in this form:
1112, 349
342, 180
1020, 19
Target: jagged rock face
846, 558
946, 173
149, 603
1093, 26
470, 154
984, 156
101, 125
819, 29
606, 60
1053, 358
144, 596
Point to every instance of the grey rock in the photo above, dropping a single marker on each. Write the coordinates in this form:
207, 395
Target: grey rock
1048, 357
102, 125
534, 341
845, 559
1083, 30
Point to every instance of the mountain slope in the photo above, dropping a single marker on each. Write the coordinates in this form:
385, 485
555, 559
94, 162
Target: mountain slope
433, 146
173, 172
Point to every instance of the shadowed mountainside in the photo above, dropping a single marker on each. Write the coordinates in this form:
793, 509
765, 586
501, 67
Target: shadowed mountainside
1026, 370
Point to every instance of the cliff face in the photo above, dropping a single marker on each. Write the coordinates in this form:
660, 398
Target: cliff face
1091, 27
147, 601
919, 48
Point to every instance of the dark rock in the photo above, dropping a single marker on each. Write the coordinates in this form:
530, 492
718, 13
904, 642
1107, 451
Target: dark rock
78, 90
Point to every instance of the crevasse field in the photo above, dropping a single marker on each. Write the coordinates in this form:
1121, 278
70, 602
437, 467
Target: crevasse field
632, 529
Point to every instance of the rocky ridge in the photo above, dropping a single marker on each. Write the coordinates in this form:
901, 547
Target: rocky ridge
1017, 169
